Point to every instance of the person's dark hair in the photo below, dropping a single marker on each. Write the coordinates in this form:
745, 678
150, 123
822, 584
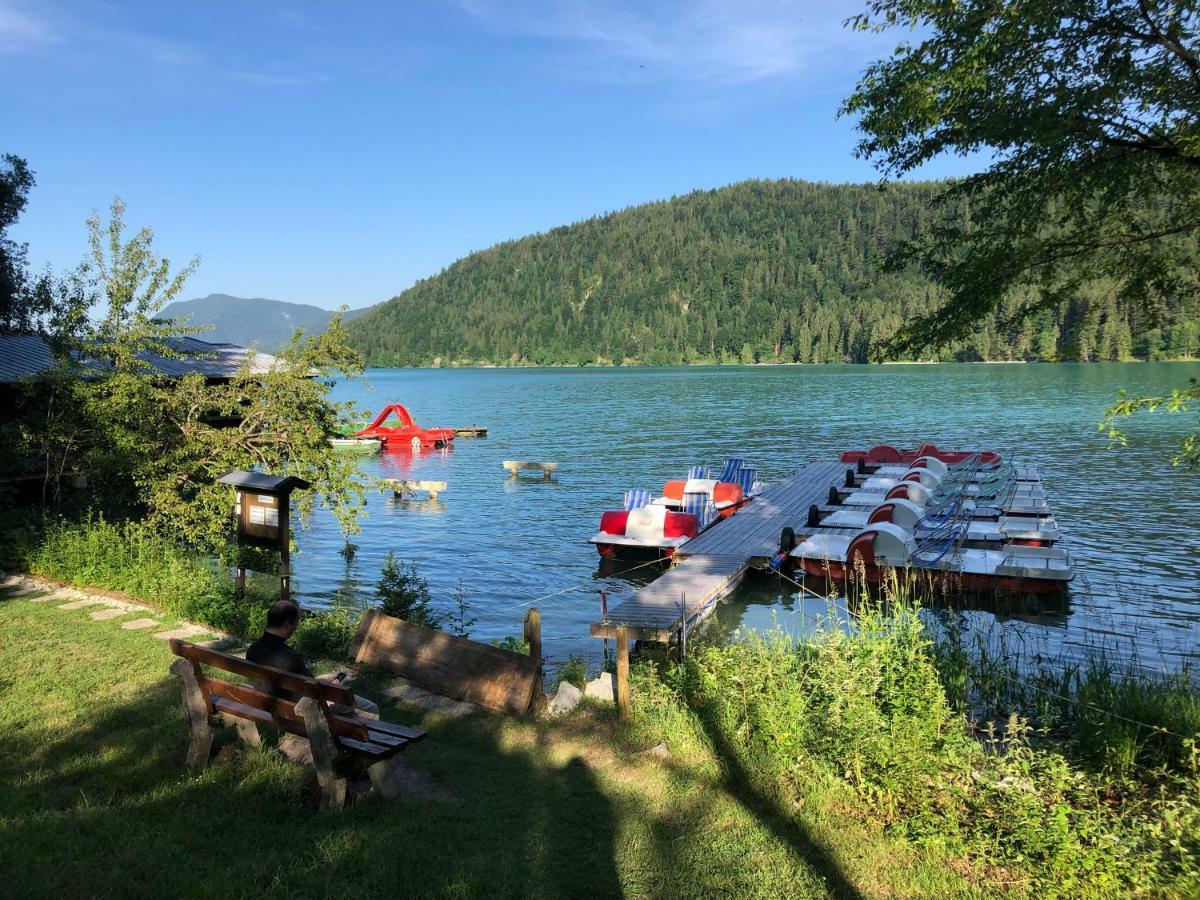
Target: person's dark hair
283, 612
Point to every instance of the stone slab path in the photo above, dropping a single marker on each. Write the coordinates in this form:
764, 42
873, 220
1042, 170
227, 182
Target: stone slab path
136, 624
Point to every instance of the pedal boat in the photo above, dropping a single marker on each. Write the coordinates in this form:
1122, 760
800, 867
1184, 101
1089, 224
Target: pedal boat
884, 548
1032, 530
886, 454
407, 433
685, 508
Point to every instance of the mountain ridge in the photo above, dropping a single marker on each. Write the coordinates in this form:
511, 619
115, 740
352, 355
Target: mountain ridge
251, 321
759, 271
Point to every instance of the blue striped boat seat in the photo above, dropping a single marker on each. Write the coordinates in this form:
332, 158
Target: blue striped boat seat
637, 498
700, 506
697, 472
729, 472
746, 478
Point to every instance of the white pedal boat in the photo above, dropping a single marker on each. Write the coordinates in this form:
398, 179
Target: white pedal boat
1021, 471
934, 480
885, 547
981, 508
908, 515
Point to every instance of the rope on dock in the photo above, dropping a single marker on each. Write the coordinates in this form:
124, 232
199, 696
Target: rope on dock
580, 584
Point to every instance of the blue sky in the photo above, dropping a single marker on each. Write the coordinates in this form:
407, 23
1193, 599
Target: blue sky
335, 152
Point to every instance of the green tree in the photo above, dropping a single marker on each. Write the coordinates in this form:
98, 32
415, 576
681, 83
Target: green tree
15, 181
152, 447
1087, 109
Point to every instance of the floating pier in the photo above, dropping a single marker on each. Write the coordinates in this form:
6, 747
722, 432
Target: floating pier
517, 466
711, 565
400, 487
472, 431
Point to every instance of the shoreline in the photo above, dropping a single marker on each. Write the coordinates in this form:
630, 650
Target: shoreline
781, 365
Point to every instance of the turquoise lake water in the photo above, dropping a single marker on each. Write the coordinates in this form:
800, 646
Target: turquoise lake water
1129, 518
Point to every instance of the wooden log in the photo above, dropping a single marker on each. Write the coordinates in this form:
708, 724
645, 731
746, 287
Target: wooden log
201, 731
452, 666
622, 673
324, 753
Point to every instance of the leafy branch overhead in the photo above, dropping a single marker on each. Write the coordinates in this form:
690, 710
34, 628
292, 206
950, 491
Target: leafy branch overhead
1088, 114
1178, 401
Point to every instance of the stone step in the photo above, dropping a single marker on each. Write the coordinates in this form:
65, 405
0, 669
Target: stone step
85, 602
104, 614
184, 631
135, 624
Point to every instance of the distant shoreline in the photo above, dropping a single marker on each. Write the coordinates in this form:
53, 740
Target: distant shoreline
771, 365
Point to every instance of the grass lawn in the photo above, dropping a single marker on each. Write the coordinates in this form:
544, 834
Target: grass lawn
95, 801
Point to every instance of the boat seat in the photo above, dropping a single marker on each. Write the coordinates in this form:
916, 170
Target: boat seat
637, 498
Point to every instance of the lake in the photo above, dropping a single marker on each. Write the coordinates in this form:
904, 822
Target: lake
1129, 518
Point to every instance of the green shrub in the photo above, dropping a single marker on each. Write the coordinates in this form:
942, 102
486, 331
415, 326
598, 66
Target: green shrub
326, 635
512, 644
863, 707
574, 670
403, 593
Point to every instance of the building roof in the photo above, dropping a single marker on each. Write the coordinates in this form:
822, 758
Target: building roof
27, 355
257, 481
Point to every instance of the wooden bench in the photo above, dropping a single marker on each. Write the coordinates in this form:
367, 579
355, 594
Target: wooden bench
343, 743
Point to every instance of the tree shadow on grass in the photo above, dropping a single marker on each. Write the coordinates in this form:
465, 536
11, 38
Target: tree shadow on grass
739, 784
109, 809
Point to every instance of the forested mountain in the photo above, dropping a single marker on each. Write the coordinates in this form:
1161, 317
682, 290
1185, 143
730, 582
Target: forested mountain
268, 324
766, 271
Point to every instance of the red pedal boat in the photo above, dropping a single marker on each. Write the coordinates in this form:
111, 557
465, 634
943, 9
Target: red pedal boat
406, 432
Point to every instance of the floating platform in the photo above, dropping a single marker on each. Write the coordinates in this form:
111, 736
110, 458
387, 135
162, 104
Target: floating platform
472, 431
711, 566
400, 487
517, 466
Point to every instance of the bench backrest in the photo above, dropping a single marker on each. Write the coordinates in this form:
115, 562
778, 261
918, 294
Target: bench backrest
297, 685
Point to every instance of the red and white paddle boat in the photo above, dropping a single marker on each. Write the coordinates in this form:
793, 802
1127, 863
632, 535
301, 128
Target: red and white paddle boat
405, 433
883, 548
686, 507
886, 454
960, 520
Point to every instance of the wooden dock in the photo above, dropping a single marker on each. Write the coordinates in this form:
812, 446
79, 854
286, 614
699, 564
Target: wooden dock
710, 566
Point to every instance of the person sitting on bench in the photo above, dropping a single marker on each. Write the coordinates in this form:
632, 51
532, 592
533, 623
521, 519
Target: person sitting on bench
272, 650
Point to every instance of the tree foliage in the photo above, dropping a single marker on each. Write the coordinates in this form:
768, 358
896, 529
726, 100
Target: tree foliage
109, 431
761, 271
1089, 114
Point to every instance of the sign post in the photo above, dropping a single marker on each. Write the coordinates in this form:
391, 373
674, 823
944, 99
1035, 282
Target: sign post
262, 513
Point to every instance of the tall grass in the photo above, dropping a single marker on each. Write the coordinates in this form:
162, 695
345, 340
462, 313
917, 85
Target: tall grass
1046, 794
134, 559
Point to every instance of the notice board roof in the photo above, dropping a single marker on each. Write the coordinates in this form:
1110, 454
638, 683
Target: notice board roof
267, 484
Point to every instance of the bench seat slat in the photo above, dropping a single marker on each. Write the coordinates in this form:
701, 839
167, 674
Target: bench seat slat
409, 734
283, 711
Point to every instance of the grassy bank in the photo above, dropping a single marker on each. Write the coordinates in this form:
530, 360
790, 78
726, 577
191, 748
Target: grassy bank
839, 767
96, 802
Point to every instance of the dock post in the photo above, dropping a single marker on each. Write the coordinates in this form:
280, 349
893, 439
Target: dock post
683, 619
622, 673
533, 637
